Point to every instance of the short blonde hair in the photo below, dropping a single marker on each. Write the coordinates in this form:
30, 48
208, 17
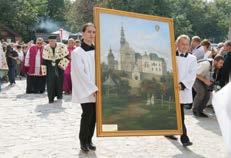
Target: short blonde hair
71, 40
206, 43
182, 37
40, 39
77, 41
196, 38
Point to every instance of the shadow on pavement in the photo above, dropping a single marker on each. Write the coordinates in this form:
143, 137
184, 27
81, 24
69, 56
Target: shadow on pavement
90, 154
7, 88
45, 109
31, 96
186, 152
209, 123
67, 98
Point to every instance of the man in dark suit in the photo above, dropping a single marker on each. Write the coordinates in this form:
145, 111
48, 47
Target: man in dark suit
225, 73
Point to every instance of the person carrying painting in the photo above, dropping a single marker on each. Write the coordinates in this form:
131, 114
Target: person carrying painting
187, 68
83, 85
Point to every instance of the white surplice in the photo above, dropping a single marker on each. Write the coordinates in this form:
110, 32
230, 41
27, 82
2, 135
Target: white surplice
37, 62
83, 76
187, 68
3, 63
222, 106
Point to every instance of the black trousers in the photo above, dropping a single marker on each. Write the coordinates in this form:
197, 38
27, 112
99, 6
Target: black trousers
202, 96
184, 137
11, 73
55, 85
35, 84
87, 124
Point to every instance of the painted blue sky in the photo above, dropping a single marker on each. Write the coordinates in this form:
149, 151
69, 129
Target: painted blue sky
140, 34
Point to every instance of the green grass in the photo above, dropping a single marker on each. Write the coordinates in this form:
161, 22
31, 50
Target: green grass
157, 117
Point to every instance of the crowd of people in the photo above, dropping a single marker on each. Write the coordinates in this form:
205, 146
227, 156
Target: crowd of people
202, 68
20, 60
50, 65
213, 71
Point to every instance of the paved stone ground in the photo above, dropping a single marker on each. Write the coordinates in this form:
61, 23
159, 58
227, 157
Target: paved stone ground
31, 128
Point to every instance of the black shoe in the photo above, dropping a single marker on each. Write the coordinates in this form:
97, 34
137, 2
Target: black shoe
51, 101
195, 113
203, 115
91, 146
59, 97
171, 137
187, 144
84, 148
188, 106
200, 114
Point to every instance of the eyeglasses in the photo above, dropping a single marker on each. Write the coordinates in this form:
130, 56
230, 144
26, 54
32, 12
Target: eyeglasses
40, 43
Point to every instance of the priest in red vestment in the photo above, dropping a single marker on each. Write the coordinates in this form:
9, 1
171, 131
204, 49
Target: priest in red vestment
36, 78
67, 76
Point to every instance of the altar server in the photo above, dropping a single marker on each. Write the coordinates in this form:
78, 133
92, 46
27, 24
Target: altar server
83, 85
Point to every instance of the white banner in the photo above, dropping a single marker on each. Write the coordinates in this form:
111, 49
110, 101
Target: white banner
222, 107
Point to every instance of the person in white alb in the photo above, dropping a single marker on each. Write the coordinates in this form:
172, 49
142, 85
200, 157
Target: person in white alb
83, 85
187, 67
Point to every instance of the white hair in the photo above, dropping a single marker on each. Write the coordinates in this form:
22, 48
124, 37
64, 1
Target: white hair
182, 37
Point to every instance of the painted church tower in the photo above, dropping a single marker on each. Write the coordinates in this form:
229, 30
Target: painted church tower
127, 54
111, 60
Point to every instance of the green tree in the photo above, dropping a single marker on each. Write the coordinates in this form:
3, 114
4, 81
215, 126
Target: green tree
20, 15
56, 10
80, 13
192, 17
220, 15
149, 87
123, 88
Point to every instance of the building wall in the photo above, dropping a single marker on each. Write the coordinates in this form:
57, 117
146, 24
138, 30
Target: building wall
6, 34
127, 58
150, 66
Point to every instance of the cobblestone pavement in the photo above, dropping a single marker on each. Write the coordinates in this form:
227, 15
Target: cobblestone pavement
32, 128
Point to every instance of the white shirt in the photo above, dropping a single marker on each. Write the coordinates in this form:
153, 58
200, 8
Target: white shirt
198, 52
83, 76
204, 69
3, 63
37, 62
187, 67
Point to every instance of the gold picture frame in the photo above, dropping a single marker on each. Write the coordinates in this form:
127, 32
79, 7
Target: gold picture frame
136, 75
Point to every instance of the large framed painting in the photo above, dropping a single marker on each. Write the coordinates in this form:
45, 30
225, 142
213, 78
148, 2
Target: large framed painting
136, 75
